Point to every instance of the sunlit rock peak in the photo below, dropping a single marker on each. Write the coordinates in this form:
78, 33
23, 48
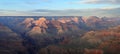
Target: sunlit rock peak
64, 20
35, 30
75, 19
41, 22
28, 22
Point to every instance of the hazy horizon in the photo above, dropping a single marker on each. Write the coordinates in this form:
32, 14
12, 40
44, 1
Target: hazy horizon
60, 8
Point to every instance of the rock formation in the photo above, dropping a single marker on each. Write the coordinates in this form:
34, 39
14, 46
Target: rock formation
75, 19
39, 26
28, 22
35, 30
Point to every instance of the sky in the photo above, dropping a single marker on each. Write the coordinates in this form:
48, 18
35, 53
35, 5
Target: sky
59, 7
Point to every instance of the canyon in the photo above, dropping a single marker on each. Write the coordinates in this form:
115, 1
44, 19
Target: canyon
59, 35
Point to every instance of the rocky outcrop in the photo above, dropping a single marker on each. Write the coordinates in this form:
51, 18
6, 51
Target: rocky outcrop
41, 22
35, 30
75, 19
28, 22
39, 26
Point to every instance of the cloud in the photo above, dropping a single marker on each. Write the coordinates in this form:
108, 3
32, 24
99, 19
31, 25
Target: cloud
97, 2
81, 12
66, 12
44, 10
